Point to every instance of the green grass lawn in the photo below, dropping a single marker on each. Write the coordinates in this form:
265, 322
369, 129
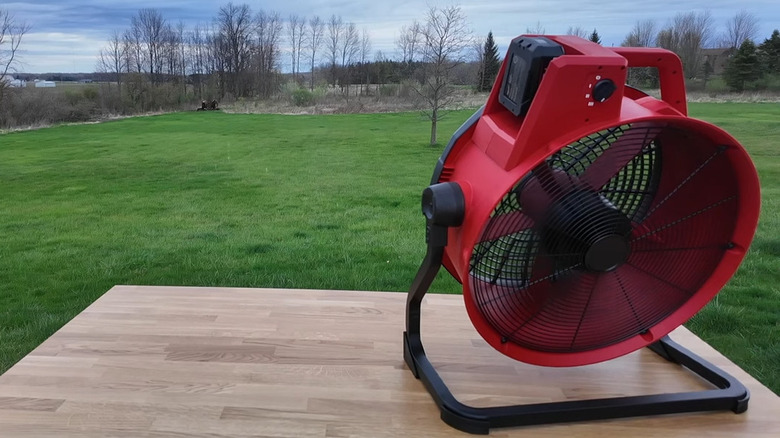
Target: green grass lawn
743, 321
213, 199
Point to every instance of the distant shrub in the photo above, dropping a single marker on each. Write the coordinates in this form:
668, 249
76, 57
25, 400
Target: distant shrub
406, 89
388, 90
320, 91
773, 82
81, 111
694, 85
91, 93
303, 97
716, 86
288, 88
768, 83
72, 96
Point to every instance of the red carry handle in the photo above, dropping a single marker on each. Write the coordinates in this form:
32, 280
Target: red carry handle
670, 72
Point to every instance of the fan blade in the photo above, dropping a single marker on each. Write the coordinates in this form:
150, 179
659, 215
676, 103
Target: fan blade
534, 196
506, 261
506, 224
620, 153
509, 305
544, 188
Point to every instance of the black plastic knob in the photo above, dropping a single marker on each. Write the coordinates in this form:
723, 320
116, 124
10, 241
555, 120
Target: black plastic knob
444, 204
603, 90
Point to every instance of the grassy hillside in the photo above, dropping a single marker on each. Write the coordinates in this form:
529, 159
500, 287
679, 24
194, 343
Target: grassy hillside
215, 199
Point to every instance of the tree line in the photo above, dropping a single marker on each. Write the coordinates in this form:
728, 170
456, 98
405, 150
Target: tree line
240, 52
691, 35
157, 63
237, 55
755, 66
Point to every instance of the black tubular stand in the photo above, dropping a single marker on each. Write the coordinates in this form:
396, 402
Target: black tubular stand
730, 395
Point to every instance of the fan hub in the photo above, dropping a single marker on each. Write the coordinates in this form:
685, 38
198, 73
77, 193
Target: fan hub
584, 230
607, 253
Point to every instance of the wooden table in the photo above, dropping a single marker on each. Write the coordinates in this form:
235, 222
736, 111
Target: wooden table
223, 362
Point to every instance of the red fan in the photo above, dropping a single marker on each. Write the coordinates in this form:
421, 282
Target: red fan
585, 220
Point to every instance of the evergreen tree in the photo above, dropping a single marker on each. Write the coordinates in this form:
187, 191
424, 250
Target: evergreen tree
743, 67
490, 64
595, 37
769, 53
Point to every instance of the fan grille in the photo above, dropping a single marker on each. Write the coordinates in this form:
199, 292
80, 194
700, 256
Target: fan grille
605, 238
575, 158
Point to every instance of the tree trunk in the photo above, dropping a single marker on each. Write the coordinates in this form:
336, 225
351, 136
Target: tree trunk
434, 119
312, 71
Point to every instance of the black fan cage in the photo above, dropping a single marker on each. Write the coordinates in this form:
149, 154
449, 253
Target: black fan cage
605, 238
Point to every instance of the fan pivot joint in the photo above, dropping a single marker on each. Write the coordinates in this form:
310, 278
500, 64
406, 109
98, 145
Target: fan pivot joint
444, 204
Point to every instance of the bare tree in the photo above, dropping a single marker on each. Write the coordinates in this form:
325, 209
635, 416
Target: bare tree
314, 40
477, 51
170, 51
11, 34
133, 50
198, 57
269, 28
365, 45
365, 52
333, 42
148, 26
445, 36
113, 58
642, 34
742, 26
687, 35
296, 26
300, 44
408, 42
350, 44
181, 55
218, 61
538, 29
577, 31
349, 49
235, 29
171, 54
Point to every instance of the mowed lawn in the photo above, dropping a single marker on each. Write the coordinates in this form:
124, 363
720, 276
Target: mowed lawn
213, 199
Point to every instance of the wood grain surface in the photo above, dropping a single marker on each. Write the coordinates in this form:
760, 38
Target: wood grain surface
227, 362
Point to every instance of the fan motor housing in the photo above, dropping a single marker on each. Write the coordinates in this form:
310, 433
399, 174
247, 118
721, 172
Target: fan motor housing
599, 218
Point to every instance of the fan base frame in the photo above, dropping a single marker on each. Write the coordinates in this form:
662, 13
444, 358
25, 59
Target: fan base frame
730, 395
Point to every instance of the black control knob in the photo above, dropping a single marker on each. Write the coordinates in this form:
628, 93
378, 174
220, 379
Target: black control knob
603, 90
444, 204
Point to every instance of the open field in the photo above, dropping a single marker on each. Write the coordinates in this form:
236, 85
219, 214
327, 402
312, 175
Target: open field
218, 199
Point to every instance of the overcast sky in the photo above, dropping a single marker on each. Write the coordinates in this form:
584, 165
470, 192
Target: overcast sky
66, 35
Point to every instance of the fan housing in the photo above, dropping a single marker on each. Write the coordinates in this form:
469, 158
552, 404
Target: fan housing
597, 218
